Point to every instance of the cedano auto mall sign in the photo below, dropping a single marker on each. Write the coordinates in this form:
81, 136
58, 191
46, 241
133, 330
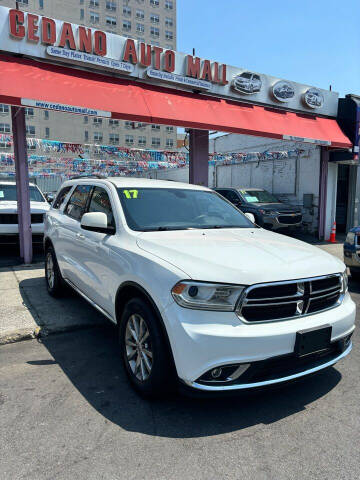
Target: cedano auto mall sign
58, 41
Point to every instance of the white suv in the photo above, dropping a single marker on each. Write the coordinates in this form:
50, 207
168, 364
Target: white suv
199, 293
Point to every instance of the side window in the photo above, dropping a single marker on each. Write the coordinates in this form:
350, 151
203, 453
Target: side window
232, 196
77, 203
61, 196
100, 202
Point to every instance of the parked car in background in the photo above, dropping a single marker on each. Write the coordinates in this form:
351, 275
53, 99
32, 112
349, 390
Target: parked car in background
9, 228
199, 294
352, 252
268, 211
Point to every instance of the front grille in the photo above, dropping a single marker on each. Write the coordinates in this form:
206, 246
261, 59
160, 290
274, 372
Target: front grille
285, 300
289, 219
12, 218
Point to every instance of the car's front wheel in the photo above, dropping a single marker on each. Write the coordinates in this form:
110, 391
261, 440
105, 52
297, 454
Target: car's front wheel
144, 349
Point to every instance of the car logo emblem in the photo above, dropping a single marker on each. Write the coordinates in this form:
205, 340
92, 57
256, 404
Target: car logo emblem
283, 91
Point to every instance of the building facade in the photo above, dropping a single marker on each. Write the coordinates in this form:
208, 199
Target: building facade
150, 21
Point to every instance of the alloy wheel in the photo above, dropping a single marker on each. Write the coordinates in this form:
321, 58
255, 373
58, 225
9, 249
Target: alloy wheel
50, 273
138, 347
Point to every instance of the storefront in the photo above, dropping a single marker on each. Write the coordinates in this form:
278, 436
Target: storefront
58, 66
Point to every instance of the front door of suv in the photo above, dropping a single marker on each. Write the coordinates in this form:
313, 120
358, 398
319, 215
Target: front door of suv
97, 268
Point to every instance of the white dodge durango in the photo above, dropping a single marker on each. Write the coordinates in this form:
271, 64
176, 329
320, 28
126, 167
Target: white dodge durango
199, 293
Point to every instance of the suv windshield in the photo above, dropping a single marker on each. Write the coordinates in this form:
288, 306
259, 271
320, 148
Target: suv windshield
151, 209
8, 193
258, 196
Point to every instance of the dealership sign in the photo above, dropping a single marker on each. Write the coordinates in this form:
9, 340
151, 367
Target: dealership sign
63, 42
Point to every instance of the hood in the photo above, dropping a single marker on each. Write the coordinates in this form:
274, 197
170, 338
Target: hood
279, 207
240, 256
35, 207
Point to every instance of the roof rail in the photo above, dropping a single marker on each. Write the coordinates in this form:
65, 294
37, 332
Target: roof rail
76, 177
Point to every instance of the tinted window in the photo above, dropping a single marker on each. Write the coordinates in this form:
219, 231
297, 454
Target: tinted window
8, 193
149, 209
231, 196
100, 202
61, 196
77, 203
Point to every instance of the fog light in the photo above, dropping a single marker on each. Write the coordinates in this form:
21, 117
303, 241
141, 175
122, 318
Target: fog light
347, 340
216, 373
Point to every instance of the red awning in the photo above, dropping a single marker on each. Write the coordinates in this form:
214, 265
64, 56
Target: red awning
128, 99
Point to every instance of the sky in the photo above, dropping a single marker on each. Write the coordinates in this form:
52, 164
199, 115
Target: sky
315, 42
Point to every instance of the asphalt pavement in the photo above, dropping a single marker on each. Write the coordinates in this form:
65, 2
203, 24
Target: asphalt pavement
68, 412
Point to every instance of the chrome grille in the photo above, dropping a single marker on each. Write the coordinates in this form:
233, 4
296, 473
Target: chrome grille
269, 302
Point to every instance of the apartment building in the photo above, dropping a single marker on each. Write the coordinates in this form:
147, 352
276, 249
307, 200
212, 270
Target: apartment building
151, 21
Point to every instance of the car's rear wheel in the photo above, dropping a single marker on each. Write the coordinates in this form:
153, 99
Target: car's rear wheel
54, 281
145, 353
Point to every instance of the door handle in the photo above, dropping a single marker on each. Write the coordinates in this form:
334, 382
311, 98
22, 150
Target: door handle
80, 236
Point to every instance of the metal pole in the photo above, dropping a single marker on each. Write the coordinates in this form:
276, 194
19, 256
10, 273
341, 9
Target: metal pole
22, 183
199, 157
324, 165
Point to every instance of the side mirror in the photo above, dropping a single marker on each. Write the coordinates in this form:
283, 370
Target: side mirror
96, 222
250, 216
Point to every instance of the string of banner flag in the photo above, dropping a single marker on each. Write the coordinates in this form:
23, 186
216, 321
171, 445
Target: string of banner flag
114, 160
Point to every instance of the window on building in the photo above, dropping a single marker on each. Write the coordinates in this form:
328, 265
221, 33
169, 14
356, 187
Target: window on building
129, 124
94, 17
141, 125
97, 121
4, 108
111, 21
169, 129
113, 123
154, 3
46, 114
169, 5
154, 18
4, 128
86, 136
24, 2
47, 132
110, 5
155, 127
154, 32
169, 35
82, 14
129, 139
126, 25
155, 142
114, 138
140, 14
169, 22
140, 27
98, 136
141, 141
30, 130
126, 11
29, 112
41, 4
169, 142
94, 3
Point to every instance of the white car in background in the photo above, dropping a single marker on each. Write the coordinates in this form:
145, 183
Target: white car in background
9, 228
198, 292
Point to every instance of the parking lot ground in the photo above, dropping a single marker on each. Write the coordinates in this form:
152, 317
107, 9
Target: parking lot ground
67, 412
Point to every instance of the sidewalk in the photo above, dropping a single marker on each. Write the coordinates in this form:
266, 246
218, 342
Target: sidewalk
27, 310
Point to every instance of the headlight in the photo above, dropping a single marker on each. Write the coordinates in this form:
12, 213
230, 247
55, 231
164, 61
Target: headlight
344, 283
207, 296
269, 212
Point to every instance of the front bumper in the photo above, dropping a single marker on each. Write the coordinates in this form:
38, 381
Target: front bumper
203, 340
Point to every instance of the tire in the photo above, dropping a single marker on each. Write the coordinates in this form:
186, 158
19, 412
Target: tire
148, 364
54, 281
355, 274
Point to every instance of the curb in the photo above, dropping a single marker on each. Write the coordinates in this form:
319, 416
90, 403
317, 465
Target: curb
38, 332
